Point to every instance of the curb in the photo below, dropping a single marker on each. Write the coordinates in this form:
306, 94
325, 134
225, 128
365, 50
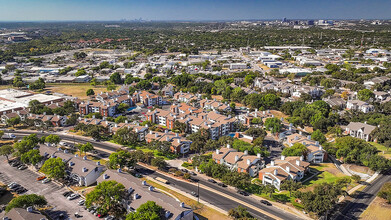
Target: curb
187, 195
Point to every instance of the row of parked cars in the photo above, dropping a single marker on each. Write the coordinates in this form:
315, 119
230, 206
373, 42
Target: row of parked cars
93, 210
17, 164
70, 195
16, 187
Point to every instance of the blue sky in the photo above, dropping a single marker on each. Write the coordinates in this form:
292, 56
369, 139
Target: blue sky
42, 10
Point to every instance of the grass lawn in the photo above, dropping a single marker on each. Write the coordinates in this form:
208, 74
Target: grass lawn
383, 150
74, 89
202, 211
282, 197
328, 174
156, 153
378, 209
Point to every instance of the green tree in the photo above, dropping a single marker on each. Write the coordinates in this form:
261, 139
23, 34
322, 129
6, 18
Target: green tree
6, 150
385, 192
31, 157
53, 139
13, 121
25, 201
291, 186
269, 189
18, 82
121, 159
125, 136
318, 136
239, 212
108, 196
159, 162
122, 107
87, 147
297, 149
273, 124
116, 78
54, 168
181, 127
147, 211
356, 178
365, 95
90, 92
80, 72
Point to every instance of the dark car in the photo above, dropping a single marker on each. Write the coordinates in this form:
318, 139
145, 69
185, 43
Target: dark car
243, 193
66, 194
266, 202
184, 170
222, 184
195, 180
212, 181
192, 173
15, 164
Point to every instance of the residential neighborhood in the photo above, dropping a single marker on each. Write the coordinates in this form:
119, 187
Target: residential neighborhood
257, 119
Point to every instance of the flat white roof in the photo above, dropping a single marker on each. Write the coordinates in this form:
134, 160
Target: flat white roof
39, 97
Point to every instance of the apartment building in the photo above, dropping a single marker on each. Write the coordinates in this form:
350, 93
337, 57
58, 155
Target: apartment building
278, 171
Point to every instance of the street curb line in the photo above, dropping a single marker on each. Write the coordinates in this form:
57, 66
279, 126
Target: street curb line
189, 196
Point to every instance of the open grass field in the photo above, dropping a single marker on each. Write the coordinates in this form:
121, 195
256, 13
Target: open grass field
378, 209
201, 210
328, 174
383, 150
74, 89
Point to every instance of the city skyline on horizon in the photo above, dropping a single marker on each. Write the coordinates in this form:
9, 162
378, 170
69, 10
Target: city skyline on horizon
202, 10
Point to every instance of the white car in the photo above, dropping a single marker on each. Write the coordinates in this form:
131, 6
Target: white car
46, 180
73, 196
81, 202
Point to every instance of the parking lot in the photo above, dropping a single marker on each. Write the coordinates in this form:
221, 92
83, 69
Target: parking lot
52, 192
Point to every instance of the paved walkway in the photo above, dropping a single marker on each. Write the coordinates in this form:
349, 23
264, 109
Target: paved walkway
339, 166
354, 189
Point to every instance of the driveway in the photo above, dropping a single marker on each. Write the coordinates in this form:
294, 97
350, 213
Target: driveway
51, 191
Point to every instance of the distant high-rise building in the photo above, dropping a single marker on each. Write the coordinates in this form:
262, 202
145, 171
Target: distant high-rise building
284, 20
311, 22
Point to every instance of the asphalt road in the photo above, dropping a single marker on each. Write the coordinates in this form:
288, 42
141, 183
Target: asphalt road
356, 207
211, 197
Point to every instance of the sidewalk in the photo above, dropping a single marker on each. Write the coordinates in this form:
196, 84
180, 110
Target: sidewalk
339, 166
354, 189
187, 195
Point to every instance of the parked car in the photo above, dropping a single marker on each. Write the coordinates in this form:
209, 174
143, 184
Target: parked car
41, 178
212, 181
12, 185
15, 164
243, 193
46, 180
221, 184
81, 202
192, 173
23, 167
184, 170
66, 194
73, 196
265, 202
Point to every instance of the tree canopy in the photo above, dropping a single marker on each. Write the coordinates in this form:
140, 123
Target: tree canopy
108, 196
